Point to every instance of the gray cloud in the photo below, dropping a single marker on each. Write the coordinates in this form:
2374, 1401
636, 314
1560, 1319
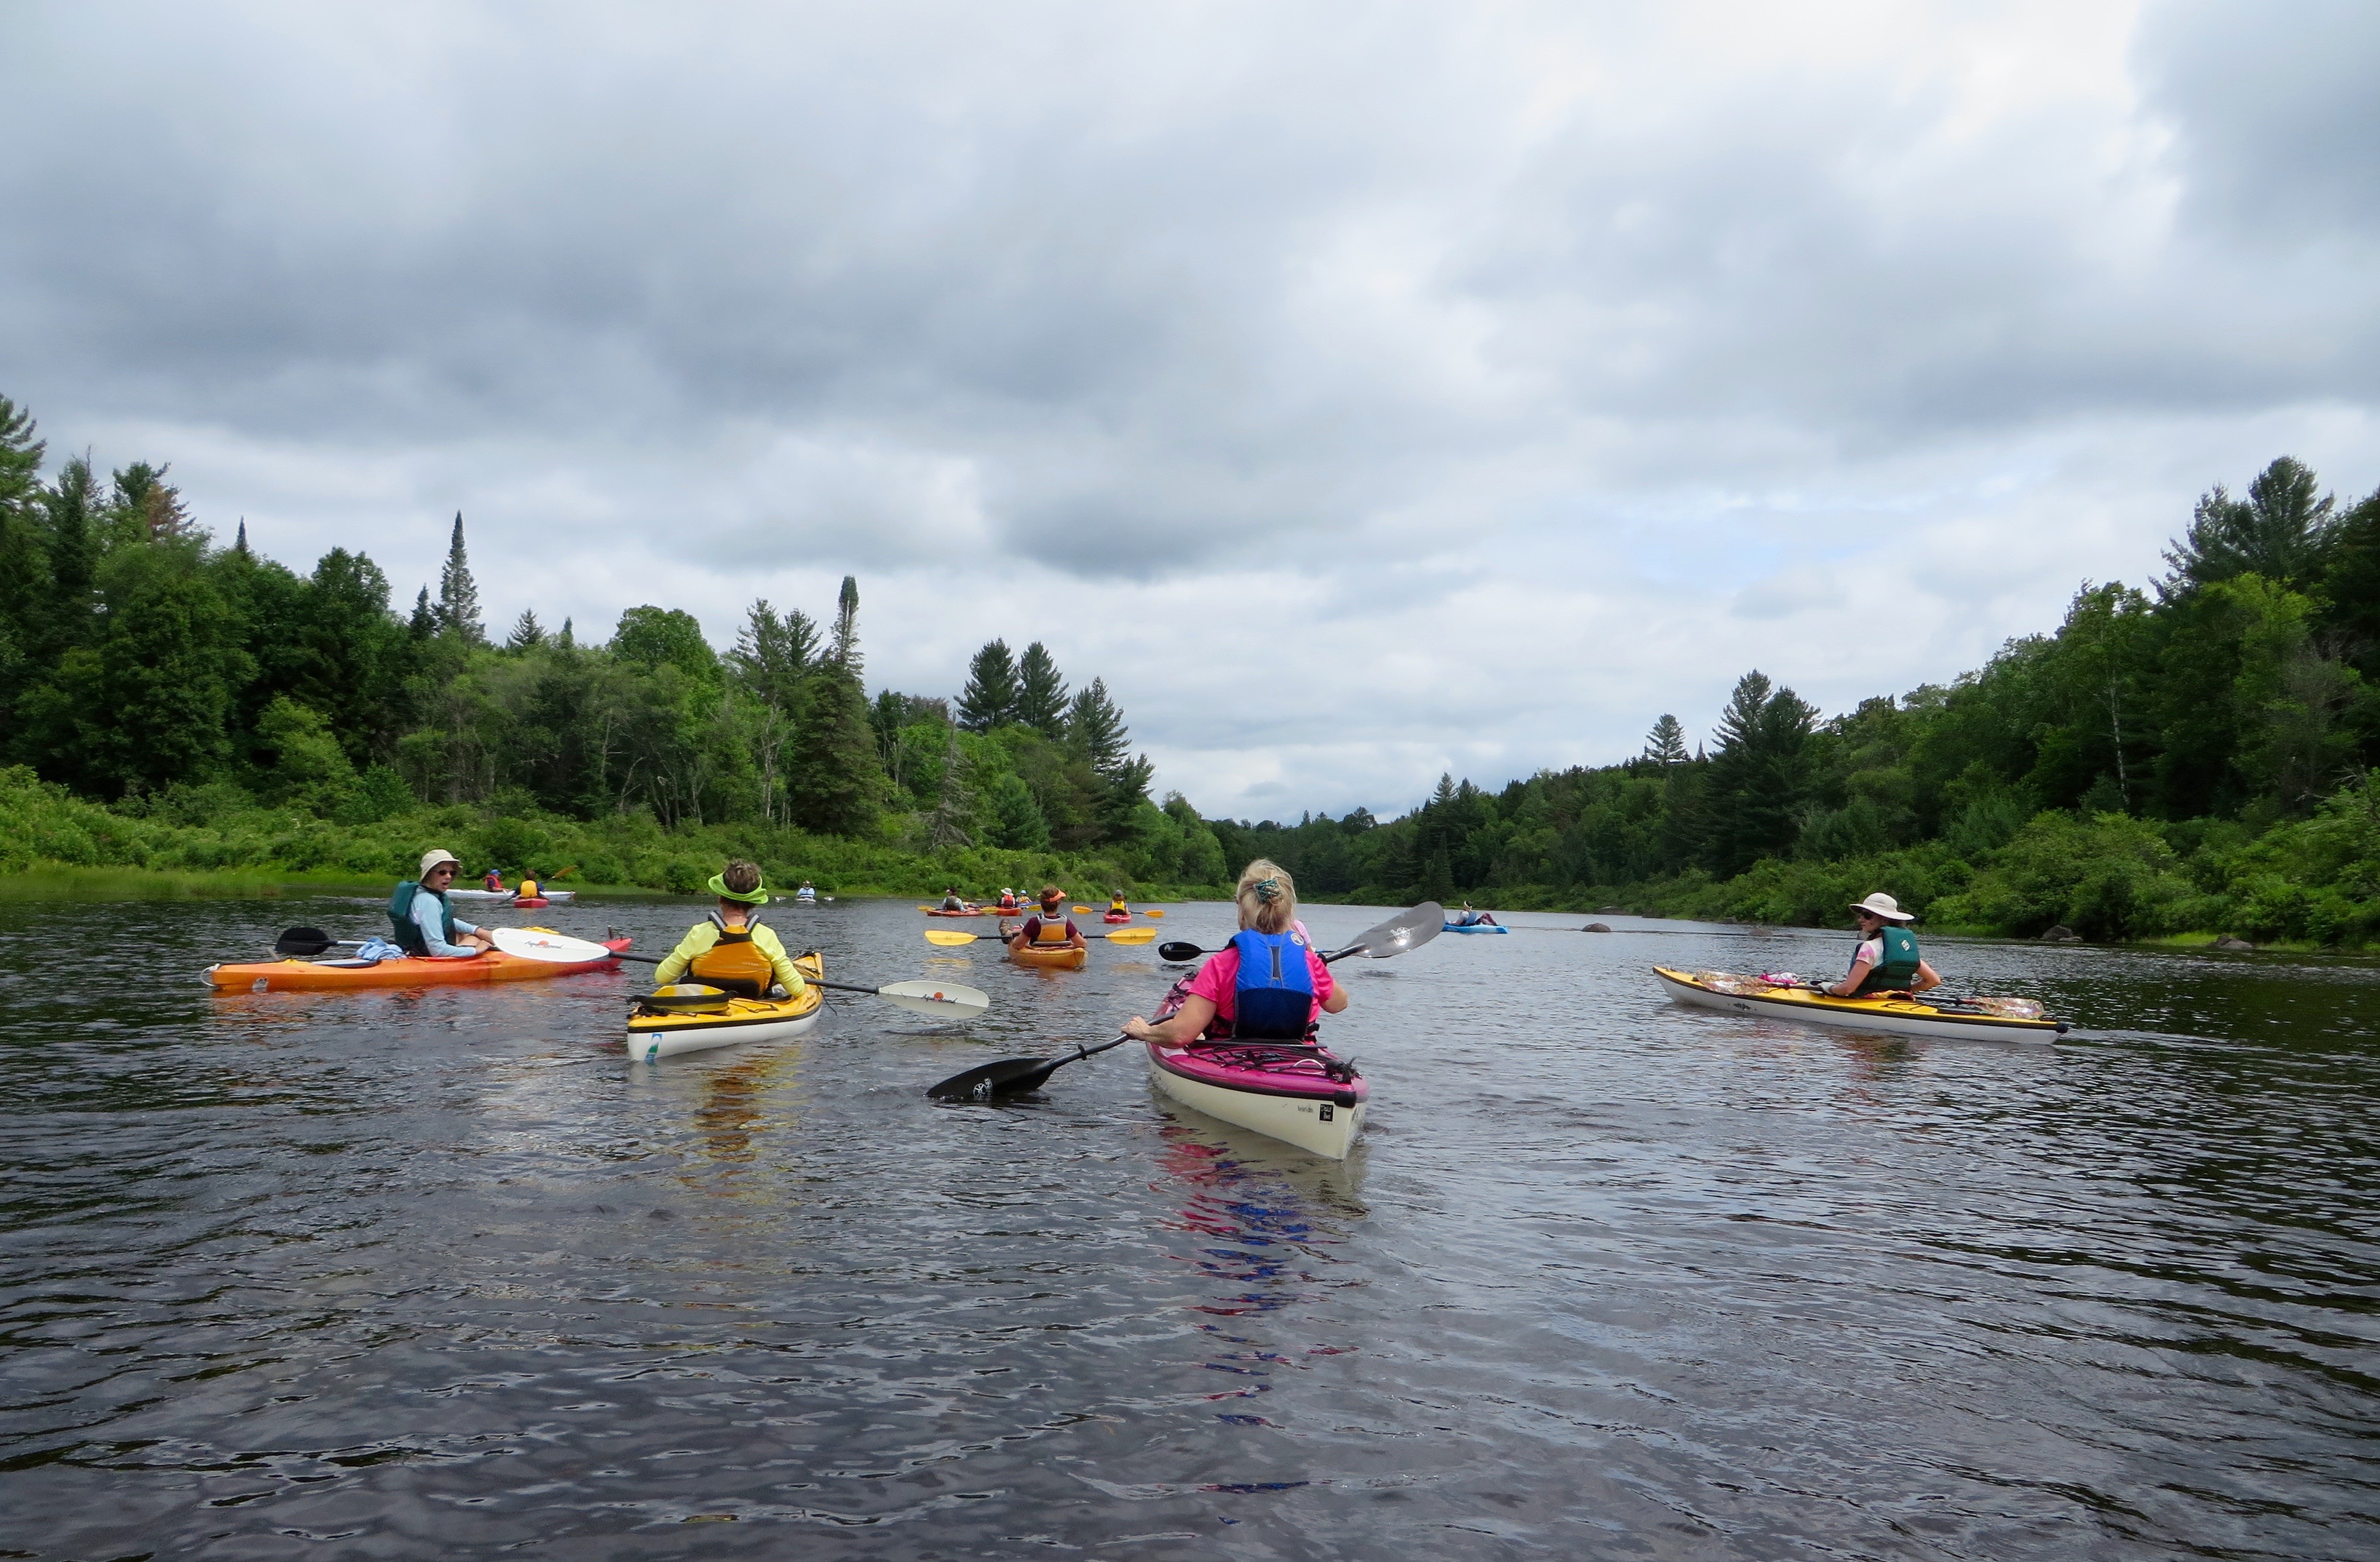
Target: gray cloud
1567, 362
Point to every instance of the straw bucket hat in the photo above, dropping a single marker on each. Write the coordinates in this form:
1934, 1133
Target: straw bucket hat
436, 855
1885, 905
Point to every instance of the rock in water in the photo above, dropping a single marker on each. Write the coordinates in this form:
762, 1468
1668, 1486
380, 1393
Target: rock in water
2237, 946
2061, 934
1595, 927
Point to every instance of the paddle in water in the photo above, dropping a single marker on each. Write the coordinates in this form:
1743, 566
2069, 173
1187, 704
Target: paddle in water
1014, 1076
1010, 1076
941, 1000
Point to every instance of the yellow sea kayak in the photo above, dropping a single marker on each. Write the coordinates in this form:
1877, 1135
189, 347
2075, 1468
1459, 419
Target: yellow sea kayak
1990, 1019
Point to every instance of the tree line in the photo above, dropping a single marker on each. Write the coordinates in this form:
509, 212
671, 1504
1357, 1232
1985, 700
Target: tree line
138, 657
2194, 755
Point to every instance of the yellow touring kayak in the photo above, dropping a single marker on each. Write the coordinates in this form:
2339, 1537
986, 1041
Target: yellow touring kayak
1992, 1019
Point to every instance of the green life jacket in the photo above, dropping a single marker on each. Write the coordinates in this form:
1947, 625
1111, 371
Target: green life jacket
1899, 964
400, 917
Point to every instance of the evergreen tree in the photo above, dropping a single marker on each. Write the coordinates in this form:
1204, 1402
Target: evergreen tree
843, 649
527, 635
146, 509
20, 459
1095, 728
70, 503
1041, 693
239, 545
1666, 744
837, 786
459, 595
2351, 586
989, 698
566, 639
424, 622
774, 655
1757, 776
2278, 531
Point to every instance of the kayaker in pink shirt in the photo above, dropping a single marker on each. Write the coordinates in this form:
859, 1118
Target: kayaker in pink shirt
1267, 900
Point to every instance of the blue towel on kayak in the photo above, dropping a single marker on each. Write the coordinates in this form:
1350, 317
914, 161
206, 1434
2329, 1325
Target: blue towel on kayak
375, 950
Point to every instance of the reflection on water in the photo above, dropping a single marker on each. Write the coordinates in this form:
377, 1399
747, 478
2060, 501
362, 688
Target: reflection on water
440, 1274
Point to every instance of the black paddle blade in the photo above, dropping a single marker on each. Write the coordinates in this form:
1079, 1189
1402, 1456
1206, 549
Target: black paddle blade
1010, 1076
302, 940
1178, 951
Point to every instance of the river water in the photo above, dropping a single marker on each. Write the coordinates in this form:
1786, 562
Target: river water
440, 1274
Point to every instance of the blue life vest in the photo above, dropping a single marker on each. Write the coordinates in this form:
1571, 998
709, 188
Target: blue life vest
1273, 998
400, 917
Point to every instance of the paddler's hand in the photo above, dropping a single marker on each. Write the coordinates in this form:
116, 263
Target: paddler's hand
1139, 1029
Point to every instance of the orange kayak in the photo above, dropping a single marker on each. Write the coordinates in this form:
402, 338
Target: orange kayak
318, 976
1057, 957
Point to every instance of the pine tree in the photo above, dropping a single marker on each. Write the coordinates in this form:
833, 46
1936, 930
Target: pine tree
240, 546
147, 509
989, 698
425, 617
1041, 693
1666, 744
843, 649
1095, 728
565, 640
458, 597
2279, 532
20, 459
773, 655
837, 786
527, 634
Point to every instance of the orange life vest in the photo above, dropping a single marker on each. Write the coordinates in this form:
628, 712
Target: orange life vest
735, 964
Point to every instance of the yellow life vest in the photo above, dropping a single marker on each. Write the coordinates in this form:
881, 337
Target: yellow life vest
735, 964
527, 890
1050, 933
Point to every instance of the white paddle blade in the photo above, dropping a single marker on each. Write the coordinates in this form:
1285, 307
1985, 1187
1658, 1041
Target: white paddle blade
939, 999
538, 946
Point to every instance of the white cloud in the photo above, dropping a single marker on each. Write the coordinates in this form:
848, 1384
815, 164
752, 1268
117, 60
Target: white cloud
1363, 392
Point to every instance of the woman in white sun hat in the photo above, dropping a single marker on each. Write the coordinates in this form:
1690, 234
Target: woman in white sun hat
1886, 959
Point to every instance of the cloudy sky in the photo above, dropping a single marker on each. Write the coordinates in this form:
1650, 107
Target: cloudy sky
1365, 390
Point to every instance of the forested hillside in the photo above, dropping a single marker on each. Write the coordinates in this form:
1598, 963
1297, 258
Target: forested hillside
2194, 757
190, 687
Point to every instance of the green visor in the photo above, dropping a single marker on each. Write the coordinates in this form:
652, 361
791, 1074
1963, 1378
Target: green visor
718, 886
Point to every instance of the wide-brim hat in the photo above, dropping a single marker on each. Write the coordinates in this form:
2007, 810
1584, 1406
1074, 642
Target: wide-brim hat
1885, 905
434, 857
757, 895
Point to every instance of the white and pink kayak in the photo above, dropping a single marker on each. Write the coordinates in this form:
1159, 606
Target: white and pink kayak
1301, 1094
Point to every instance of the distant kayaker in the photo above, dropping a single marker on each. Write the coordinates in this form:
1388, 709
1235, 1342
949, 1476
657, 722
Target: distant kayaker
1469, 918
527, 890
954, 901
807, 892
423, 924
1049, 928
494, 882
730, 949
1257, 988
1118, 905
1008, 901
1886, 959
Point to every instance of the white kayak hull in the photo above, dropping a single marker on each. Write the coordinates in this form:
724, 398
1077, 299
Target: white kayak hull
1875, 1020
653, 1045
1297, 1120
480, 896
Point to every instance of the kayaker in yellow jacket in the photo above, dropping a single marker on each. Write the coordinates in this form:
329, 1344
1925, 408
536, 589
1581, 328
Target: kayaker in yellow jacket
730, 949
1050, 928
